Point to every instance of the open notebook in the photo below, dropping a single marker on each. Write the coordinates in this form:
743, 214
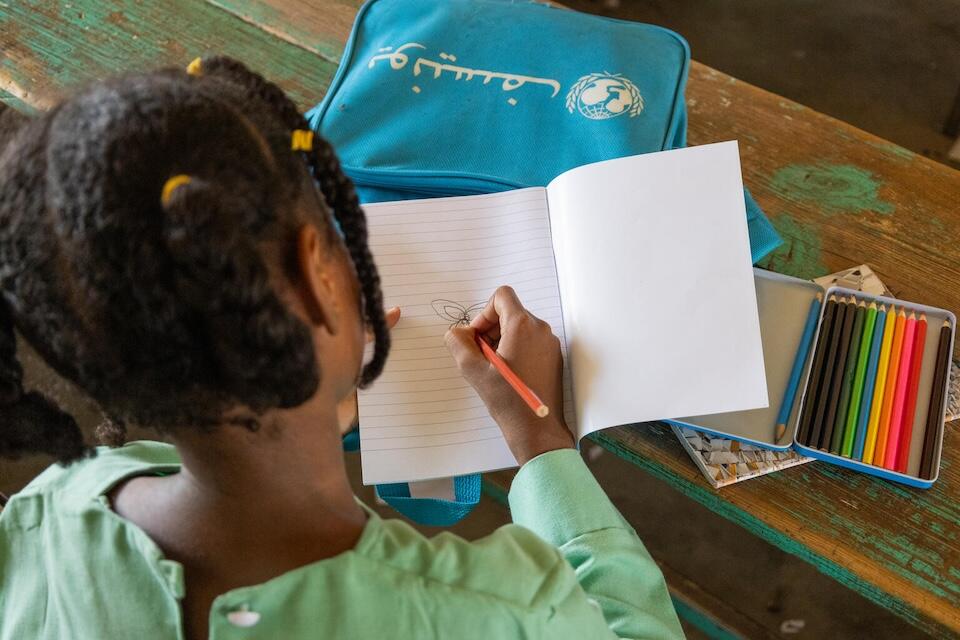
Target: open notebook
595, 255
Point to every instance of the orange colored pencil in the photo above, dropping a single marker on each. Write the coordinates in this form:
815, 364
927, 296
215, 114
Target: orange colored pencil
909, 412
525, 392
900, 394
879, 454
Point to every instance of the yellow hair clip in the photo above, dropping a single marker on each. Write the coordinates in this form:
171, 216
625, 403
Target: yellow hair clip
194, 68
301, 140
171, 185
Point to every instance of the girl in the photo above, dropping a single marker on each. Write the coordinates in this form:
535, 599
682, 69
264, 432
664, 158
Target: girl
163, 247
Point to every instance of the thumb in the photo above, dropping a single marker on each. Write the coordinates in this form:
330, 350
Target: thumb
462, 344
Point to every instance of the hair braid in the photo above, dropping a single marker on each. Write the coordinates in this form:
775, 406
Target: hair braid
340, 197
29, 421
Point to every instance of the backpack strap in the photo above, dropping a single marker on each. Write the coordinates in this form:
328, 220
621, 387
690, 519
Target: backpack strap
424, 509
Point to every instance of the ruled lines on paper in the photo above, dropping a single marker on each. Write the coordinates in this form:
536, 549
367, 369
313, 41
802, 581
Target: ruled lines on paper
439, 261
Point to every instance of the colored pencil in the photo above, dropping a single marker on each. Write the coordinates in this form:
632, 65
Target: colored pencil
935, 413
900, 393
816, 369
527, 394
863, 354
890, 390
836, 382
866, 400
829, 365
910, 410
876, 404
786, 407
849, 373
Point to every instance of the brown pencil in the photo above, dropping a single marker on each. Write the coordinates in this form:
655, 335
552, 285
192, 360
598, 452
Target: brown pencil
827, 410
816, 369
935, 413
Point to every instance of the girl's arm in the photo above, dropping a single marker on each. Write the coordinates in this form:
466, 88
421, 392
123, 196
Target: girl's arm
557, 497
554, 494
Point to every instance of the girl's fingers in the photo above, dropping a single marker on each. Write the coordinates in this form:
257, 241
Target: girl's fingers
392, 316
503, 305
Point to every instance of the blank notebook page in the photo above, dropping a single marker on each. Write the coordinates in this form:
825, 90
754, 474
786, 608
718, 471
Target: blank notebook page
440, 260
659, 299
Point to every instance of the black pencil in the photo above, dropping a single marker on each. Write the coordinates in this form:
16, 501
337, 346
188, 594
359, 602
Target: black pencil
940, 377
849, 369
836, 380
843, 311
816, 369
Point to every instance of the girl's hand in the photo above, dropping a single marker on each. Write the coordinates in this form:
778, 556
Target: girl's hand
533, 352
347, 412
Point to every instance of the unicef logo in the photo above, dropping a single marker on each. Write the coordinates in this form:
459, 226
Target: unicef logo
599, 96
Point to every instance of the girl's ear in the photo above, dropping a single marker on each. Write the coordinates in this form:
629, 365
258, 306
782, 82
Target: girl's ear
320, 291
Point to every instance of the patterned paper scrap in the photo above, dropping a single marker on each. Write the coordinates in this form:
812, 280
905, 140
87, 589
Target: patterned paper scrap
725, 461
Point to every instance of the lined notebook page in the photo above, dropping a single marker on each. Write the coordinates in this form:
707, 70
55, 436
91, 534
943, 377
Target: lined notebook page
439, 261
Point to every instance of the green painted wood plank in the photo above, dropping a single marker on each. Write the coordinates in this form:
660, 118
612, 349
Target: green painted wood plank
15, 102
49, 47
715, 501
321, 29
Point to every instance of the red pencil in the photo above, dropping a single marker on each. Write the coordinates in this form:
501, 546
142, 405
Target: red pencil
919, 342
900, 395
513, 379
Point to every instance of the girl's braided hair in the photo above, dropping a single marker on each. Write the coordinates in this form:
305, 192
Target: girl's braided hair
166, 313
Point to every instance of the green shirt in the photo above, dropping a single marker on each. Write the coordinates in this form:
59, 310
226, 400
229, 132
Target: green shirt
570, 567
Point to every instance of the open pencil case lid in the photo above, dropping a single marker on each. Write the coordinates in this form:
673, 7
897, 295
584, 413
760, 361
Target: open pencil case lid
783, 304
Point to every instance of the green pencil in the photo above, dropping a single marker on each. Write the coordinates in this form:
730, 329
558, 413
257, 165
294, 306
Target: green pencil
849, 369
853, 413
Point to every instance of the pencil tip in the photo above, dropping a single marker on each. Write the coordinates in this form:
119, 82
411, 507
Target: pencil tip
543, 411
819, 296
833, 297
781, 429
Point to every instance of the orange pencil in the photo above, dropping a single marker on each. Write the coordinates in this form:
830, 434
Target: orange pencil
513, 379
909, 412
900, 394
879, 454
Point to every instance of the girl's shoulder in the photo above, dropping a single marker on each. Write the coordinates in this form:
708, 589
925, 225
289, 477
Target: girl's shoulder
93, 477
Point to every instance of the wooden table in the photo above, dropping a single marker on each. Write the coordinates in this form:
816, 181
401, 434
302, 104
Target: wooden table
839, 196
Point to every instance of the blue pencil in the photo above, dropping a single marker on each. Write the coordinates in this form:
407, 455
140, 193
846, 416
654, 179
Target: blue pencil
866, 401
791, 393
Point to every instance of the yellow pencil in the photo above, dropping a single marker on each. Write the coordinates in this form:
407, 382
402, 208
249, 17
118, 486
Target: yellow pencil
878, 386
880, 450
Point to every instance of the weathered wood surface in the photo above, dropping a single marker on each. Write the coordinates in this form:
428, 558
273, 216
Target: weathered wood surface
838, 195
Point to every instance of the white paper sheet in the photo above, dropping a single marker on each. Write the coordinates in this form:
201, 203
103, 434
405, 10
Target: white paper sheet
421, 419
651, 336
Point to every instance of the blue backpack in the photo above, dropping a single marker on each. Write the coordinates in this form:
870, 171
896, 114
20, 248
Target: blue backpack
453, 97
